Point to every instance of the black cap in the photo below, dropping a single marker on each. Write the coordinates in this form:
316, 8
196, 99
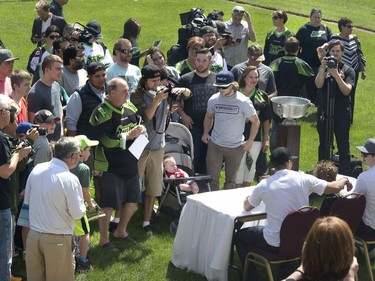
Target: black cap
279, 156
94, 67
150, 71
95, 29
45, 116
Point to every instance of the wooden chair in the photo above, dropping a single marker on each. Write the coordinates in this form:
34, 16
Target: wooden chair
293, 232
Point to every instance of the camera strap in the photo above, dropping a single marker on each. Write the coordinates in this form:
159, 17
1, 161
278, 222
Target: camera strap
169, 116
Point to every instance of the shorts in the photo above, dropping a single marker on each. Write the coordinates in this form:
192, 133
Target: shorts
113, 191
81, 227
150, 166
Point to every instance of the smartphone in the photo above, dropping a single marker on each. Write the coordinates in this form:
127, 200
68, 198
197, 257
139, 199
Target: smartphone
156, 43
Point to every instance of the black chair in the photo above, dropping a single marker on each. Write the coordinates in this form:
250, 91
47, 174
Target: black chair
293, 232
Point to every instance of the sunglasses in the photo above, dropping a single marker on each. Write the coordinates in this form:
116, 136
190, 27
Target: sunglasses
365, 154
222, 87
53, 37
238, 12
275, 17
126, 52
349, 26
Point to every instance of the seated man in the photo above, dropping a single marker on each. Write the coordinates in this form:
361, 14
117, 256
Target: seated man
282, 193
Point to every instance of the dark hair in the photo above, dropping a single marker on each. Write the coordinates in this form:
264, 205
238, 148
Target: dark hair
245, 72
70, 53
57, 43
333, 43
281, 14
51, 29
343, 22
315, 10
291, 45
132, 29
214, 15
152, 51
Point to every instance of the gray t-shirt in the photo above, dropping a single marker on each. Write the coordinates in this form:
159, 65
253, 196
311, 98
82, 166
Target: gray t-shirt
73, 81
41, 97
42, 150
230, 114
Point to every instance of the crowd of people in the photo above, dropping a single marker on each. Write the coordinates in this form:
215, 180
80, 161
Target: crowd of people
79, 102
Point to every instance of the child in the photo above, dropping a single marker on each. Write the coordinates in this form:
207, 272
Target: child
81, 227
172, 171
46, 122
21, 81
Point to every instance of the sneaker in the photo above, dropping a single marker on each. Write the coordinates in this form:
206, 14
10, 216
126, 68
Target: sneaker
149, 230
112, 226
83, 266
95, 214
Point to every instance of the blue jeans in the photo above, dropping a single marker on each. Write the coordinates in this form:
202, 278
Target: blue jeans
5, 244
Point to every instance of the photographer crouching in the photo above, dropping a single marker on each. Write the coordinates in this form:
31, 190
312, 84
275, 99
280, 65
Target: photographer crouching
335, 81
155, 104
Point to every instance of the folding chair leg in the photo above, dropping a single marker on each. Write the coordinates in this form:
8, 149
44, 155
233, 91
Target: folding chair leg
269, 271
368, 261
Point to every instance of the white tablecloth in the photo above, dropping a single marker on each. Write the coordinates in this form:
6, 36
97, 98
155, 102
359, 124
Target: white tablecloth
204, 235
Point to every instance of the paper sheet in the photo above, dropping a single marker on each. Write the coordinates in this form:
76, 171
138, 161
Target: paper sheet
138, 146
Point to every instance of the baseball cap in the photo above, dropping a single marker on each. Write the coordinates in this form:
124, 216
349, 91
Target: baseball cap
85, 141
95, 29
94, 67
279, 156
45, 116
150, 71
256, 52
23, 127
369, 147
6, 55
207, 29
238, 10
224, 78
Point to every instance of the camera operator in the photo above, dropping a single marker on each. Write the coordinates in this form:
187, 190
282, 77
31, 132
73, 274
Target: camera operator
152, 104
334, 79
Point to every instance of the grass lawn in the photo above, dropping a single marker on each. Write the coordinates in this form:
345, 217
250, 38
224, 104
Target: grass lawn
149, 259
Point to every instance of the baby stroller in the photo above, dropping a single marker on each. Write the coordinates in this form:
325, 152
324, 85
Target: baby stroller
179, 144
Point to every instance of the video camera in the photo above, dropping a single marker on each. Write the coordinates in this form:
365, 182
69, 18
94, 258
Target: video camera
85, 33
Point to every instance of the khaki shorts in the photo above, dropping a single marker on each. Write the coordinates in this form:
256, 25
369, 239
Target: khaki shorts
150, 166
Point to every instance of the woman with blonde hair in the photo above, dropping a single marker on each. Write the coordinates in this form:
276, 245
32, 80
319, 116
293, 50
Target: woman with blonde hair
328, 253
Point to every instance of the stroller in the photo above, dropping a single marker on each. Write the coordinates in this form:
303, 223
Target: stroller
179, 144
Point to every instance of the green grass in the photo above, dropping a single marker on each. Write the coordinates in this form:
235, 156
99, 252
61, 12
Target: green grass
149, 259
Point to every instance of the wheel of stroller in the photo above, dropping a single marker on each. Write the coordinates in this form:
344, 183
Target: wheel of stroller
173, 226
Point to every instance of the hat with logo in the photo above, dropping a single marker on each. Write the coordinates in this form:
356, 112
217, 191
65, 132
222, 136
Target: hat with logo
279, 156
208, 29
23, 127
150, 71
85, 141
95, 29
224, 78
94, 67
255, 51
6, 55
238, 10
45, 116
369, 147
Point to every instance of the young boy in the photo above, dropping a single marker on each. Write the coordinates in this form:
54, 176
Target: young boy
81, 227
172, 171
42, 148
21, 81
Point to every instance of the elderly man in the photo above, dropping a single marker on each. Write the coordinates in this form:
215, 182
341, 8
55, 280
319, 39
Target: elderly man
55, 200
116, 172
241, 31
8, 164
122, 68
227, 112
46, 93
45, 19
83, 102
6, 69
366, 185
282, 193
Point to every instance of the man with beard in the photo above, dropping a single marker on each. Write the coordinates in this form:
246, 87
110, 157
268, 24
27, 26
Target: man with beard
201, 83
74, 76
209, 34
83, 102
122, 68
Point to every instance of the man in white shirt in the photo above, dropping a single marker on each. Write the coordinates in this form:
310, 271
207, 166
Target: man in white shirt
55, 200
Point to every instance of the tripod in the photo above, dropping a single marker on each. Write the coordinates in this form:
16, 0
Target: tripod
329, 119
